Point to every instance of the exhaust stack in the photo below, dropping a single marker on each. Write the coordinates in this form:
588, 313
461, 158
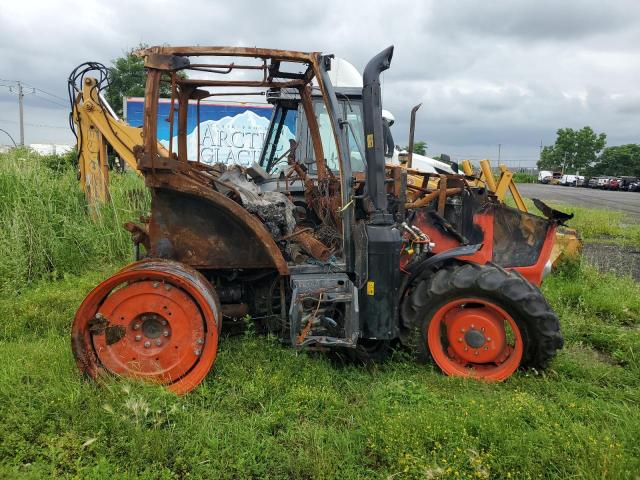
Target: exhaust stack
373, 130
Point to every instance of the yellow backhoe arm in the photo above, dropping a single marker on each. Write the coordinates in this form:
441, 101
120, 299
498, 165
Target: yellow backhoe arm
97, 126
499, 189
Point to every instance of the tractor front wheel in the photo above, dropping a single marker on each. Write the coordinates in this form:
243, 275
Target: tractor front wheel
482, 321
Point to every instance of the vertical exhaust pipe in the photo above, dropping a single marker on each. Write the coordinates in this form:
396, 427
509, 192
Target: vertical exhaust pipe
373, 131
412, 132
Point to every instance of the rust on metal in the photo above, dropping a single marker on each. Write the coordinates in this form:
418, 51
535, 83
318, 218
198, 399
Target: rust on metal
202, 228
311, 245
412, 131
165, 320
139, 234
429, 197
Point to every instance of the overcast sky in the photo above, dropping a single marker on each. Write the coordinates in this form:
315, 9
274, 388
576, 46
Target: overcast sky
487, 73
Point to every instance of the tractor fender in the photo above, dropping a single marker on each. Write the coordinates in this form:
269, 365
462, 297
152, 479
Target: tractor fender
193, 224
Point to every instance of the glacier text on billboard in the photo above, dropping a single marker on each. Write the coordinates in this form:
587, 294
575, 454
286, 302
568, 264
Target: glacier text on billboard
230, 132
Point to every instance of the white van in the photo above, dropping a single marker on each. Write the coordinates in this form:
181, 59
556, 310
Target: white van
544, 176
572, 180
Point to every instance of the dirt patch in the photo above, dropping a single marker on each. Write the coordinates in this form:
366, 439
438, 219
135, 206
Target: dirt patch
618, 259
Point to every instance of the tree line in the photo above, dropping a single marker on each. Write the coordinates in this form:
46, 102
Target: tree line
585, 151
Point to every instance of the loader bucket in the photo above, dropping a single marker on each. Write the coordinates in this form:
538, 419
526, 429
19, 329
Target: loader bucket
567, 244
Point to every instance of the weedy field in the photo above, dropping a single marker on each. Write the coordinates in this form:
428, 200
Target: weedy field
266, 411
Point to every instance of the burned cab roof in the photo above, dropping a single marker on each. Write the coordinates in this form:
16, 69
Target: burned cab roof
279, 68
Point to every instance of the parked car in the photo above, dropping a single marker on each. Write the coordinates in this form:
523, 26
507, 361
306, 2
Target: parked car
626, 181
614, 184
603, 182
634, 186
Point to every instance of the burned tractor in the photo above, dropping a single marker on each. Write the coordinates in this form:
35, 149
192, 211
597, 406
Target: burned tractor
319, 242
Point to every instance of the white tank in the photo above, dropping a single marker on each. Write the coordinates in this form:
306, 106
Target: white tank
344, 74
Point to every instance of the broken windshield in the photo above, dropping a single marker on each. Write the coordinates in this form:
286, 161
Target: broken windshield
274, 160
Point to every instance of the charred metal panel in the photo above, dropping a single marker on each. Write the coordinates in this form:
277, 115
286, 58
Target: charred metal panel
192, 230
518, 237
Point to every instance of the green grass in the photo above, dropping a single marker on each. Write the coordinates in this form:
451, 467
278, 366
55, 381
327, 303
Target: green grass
267, 411
594, 224
523, 177
46, 232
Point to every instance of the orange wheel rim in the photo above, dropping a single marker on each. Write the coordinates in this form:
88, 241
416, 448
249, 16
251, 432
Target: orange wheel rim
156, 321
472, 337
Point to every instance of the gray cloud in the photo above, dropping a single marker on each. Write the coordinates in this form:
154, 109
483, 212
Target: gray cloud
537, 21
487, 72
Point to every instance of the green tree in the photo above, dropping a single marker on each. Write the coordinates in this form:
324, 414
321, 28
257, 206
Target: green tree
419, 147
127, 79
618, 160
574, 150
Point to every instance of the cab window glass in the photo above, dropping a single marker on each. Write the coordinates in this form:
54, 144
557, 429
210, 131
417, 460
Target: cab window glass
326, 136
277, 144
353, 113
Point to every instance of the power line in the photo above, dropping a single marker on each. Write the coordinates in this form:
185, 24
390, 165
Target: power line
9, 135
48, 93
65, 106
34, 92
17, 88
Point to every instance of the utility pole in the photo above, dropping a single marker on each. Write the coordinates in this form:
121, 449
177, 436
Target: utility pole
21, 94
21, 104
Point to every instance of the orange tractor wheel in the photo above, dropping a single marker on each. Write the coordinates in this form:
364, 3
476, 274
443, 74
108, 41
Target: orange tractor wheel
156, 319
482, 321
471, 337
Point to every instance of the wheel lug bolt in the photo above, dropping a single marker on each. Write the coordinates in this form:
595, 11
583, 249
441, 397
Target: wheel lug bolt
460, 339
136, 326
486, 348
167, 287
147, 344
155, 284
466, 349
158, 342
200, 341
138, 338
164, 322
482, 329
197, 352
476, 352
473, 326
165, 333
488, 339
462, 330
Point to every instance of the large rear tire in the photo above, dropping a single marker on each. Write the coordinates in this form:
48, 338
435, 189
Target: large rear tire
156, 320
482, 321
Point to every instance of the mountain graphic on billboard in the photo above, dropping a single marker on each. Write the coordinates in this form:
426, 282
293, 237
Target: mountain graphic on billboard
234, 139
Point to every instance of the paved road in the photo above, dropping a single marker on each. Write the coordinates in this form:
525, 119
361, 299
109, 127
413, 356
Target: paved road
628, 202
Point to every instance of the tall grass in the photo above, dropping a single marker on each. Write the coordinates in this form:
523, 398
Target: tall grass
46, 228
524, 177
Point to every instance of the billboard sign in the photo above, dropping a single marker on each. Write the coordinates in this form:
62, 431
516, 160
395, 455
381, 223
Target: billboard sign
230, 132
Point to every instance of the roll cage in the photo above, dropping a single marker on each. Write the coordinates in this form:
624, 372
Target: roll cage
197, 73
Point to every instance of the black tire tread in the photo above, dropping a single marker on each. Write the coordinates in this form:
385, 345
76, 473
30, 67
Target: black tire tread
532, 313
